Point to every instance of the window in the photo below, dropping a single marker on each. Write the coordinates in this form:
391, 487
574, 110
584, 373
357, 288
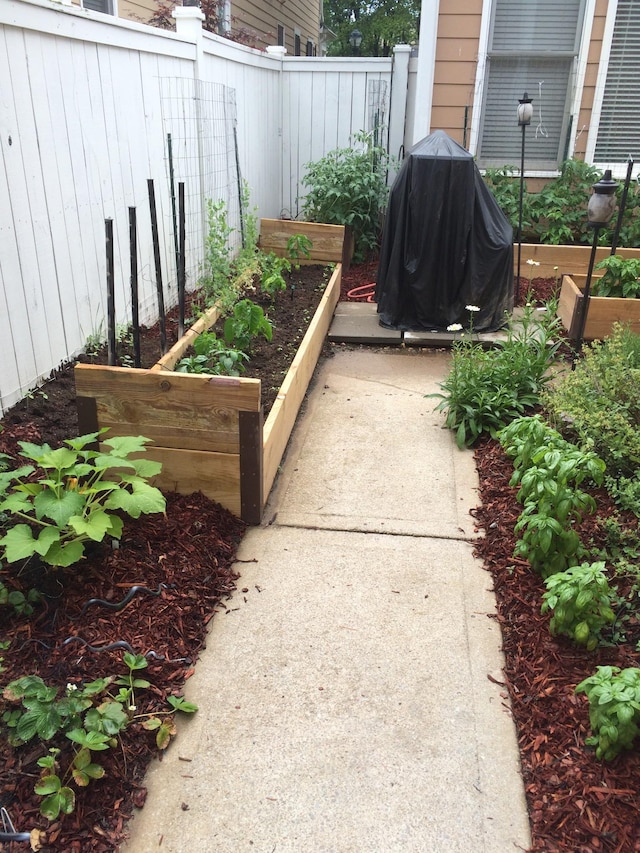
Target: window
533, 48
296, 44
280, 35
310, 48
619, 126
106, 6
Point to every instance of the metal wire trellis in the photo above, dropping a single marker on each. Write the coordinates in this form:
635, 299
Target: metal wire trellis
200, 118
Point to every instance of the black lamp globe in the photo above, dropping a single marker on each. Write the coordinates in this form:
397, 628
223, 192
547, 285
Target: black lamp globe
355, 39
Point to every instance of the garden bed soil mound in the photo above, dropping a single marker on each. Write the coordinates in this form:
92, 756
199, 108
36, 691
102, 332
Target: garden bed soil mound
576, 804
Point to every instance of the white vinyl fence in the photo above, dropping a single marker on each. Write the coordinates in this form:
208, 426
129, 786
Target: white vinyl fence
94, 108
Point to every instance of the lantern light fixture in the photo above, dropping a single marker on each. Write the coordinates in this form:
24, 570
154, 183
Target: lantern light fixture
525, 110
602, 204
355, 39
602, 201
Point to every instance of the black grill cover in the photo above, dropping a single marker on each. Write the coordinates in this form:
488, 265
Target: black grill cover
446, 244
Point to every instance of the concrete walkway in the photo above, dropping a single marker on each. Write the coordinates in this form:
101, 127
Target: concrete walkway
346, 699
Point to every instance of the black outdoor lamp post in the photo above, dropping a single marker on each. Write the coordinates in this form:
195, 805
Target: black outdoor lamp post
525, 114
602, 203
355, 40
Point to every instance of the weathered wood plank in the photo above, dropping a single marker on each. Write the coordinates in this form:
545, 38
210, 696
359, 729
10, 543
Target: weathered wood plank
328, 240
216, 475
165, 391
556, 261
602, 314
284, 412
173, 356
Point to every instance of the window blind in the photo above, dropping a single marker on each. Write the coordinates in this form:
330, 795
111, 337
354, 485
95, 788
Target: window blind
619, 127
533, 48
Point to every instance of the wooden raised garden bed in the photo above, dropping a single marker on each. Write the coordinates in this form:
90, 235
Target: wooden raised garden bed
556, 261
603, 311
208, 431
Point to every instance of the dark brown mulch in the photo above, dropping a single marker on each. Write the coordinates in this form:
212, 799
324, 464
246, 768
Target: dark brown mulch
576, 803
190, 550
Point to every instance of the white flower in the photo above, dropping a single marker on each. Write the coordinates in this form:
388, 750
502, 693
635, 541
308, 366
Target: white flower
454, 327
71, 688
533, 263
471, 308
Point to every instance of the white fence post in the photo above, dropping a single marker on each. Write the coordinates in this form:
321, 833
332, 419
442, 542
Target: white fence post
398, 105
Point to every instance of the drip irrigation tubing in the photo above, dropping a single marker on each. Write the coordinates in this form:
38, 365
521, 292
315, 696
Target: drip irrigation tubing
118, 605
363, 291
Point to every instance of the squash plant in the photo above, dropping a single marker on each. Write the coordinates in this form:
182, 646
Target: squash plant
78, 498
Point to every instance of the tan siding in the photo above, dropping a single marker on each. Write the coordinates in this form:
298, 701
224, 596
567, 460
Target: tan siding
455, 67
137, 10
452, 26
259, 17
264, 17
591, 76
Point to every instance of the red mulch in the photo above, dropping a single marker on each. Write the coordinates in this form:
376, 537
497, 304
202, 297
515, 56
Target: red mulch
576, 803
191, 550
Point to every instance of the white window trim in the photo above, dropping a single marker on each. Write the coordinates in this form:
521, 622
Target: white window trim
481, 67
619, 170
581, 72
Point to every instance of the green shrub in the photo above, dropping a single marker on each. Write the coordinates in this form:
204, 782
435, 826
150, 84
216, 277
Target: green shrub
80, 498
486, 389
598, 404
549, 470
560, 208
558, 213
348, 186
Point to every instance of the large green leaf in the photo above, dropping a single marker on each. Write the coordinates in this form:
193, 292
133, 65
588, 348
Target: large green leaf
64, 553
96, 526
60, 458
59, 508
42, 719
16, 502
144, 499
123, 445
19, 542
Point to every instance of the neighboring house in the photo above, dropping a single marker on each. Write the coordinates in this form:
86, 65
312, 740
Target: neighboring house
293, 24
577, 59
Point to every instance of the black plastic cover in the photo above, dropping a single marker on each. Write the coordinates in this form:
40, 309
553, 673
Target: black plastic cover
446, 244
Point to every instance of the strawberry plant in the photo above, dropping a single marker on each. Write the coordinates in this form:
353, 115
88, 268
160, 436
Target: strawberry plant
79, 498
90, 719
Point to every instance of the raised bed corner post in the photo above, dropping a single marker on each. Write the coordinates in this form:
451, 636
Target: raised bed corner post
111, 308
156, 257
601, 206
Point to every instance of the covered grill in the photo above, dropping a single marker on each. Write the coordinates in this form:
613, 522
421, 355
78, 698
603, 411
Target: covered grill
446, 244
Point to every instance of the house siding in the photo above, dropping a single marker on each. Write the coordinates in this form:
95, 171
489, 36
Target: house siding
590, 79
260, 18
455, 66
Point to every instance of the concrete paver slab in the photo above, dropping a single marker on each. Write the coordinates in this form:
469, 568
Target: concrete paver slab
350, 698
